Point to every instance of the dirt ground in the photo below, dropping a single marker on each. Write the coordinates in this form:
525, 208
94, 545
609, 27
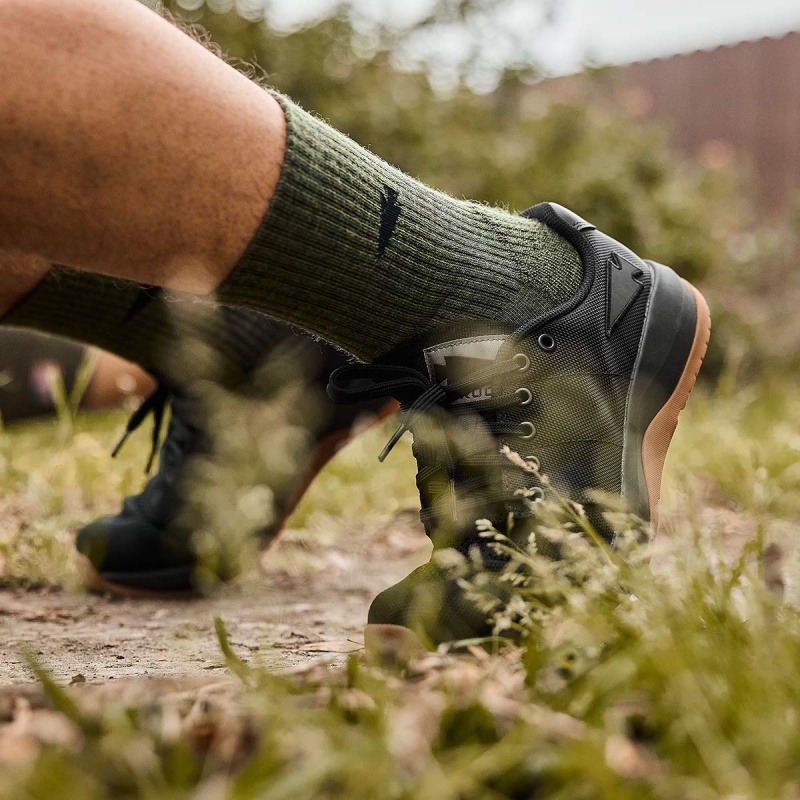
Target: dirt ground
289, 614
308, 601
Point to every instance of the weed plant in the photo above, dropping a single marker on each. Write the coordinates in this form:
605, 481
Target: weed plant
664, 670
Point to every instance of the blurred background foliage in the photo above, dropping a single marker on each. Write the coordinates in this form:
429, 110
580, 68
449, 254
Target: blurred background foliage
481, 127
676, 682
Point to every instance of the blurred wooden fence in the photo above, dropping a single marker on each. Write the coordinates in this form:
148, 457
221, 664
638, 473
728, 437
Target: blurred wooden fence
742, 98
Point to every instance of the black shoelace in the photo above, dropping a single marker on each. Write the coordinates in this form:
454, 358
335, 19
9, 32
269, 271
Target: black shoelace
181, 434
419, 395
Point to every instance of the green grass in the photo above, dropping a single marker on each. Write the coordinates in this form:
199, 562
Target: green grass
676, 679
58, 474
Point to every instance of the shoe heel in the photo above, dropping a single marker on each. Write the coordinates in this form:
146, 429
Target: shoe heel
674, 343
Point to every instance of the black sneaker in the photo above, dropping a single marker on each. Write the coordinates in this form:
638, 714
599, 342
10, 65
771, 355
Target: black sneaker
145, 550
589, 393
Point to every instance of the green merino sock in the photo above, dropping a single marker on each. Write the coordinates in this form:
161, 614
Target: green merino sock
365, 256
148, 325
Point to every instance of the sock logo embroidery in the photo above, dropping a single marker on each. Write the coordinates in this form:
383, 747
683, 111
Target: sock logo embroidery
622, 288
144, 296
390, 213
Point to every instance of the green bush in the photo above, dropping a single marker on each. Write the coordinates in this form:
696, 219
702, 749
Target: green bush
515, 146
522, 143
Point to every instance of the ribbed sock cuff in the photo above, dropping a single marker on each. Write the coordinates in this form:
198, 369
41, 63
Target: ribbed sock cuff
147, 325
363, 255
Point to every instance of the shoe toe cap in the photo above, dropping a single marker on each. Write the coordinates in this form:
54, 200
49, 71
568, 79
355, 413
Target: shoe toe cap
124, 544
431, 604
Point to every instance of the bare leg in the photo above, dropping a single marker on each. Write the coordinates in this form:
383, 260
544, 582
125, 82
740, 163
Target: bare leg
30, 362
114, 380
126, 147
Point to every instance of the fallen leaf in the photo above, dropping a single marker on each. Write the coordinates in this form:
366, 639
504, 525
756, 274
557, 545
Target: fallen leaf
345, 646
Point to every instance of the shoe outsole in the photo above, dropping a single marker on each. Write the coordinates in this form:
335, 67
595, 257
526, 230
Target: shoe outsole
98, 583
95, 582
392, 644
659, 433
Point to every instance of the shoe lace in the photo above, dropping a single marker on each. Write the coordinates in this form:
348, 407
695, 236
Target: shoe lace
419, 395
181, 434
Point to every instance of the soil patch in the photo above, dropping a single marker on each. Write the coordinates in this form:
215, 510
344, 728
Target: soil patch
295, 610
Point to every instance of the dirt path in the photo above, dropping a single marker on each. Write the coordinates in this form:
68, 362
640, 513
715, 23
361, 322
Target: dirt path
283, 617
310, 599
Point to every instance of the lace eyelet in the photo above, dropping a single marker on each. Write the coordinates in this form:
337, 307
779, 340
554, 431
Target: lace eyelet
534, 462
529, 430
547, 342
523, 361
536, 494
525, 395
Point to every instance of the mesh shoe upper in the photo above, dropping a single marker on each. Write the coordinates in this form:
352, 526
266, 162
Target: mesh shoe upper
554, 391
136, 538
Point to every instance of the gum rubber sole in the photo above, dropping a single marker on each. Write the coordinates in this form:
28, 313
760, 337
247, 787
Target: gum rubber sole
660, 431
94, 582
393, 644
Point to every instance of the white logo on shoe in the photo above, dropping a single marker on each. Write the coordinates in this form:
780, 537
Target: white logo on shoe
458, 359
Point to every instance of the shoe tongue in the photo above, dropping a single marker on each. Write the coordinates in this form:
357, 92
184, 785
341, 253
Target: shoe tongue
189, 409
453, 353
456, 360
